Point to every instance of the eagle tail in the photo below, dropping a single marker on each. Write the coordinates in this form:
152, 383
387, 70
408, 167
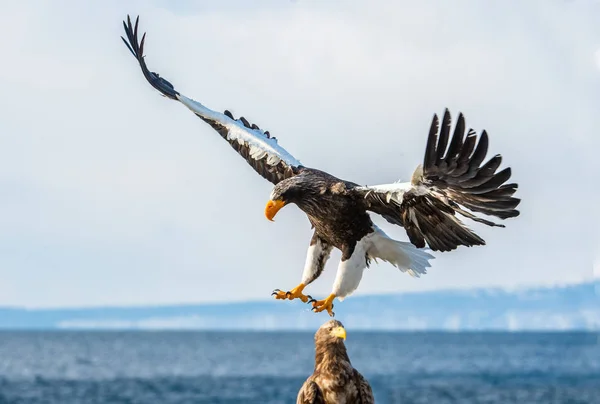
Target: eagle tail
402, 255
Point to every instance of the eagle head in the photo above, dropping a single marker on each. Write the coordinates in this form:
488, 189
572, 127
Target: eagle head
332, 331
290, 190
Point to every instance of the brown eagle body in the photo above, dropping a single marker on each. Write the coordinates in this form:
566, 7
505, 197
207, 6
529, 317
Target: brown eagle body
334, 380
335, 208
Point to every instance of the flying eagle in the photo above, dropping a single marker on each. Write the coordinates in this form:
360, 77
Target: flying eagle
334, 379
452, 180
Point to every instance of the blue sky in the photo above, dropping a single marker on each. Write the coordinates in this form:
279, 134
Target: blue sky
111, 194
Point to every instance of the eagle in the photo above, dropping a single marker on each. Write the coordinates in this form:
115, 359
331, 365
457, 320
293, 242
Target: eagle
452, 181
334, 379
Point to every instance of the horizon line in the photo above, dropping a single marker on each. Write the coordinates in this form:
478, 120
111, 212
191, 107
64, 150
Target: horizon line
507, 289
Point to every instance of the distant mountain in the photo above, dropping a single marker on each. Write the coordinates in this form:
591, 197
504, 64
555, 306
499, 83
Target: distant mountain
571, 307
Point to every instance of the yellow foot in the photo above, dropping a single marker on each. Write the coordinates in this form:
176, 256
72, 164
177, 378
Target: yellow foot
295, 293
326, 304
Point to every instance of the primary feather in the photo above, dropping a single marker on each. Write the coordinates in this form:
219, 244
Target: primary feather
450, 180
256, 146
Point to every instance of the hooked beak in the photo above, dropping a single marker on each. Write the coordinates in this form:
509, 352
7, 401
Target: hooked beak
339, 332
273, 207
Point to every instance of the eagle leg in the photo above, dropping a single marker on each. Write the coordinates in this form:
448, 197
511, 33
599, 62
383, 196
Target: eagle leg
295, 293
325, 304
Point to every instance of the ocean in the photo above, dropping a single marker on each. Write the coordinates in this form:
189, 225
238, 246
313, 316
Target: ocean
167, 367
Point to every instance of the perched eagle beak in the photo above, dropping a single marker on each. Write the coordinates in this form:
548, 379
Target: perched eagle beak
273, 207
339, 332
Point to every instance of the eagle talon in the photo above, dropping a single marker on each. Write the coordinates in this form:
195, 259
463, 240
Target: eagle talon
295, 293
326, 304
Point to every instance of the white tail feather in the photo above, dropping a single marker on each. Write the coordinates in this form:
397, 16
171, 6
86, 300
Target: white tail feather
402, 255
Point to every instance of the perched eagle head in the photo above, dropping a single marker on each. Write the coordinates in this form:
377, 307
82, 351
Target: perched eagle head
332, 332
291, 190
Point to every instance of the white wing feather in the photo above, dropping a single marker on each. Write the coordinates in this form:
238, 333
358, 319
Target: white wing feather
259, 144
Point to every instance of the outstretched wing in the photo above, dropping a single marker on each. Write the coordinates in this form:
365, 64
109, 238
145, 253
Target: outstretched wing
310, 393
450, 181
259, 149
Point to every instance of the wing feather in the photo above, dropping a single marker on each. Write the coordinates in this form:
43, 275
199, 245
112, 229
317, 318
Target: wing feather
451, 159
443, 138
451, 180
430, 150
465, 153
365, 392
310, 393
256, 146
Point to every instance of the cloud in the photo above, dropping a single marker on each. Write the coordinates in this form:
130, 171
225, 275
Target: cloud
111, 194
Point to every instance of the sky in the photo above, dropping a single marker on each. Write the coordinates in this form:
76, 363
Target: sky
113, 195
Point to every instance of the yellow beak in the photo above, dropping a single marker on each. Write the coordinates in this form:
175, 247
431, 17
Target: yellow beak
273, 207
339, 332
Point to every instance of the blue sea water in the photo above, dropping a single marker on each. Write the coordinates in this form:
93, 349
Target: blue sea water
255, 367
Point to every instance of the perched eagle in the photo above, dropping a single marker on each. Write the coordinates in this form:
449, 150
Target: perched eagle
334, 379
451, 180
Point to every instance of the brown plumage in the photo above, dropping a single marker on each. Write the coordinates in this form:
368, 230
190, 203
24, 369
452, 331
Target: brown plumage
334, 380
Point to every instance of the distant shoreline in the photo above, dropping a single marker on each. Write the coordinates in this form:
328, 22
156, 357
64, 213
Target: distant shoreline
566, 308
